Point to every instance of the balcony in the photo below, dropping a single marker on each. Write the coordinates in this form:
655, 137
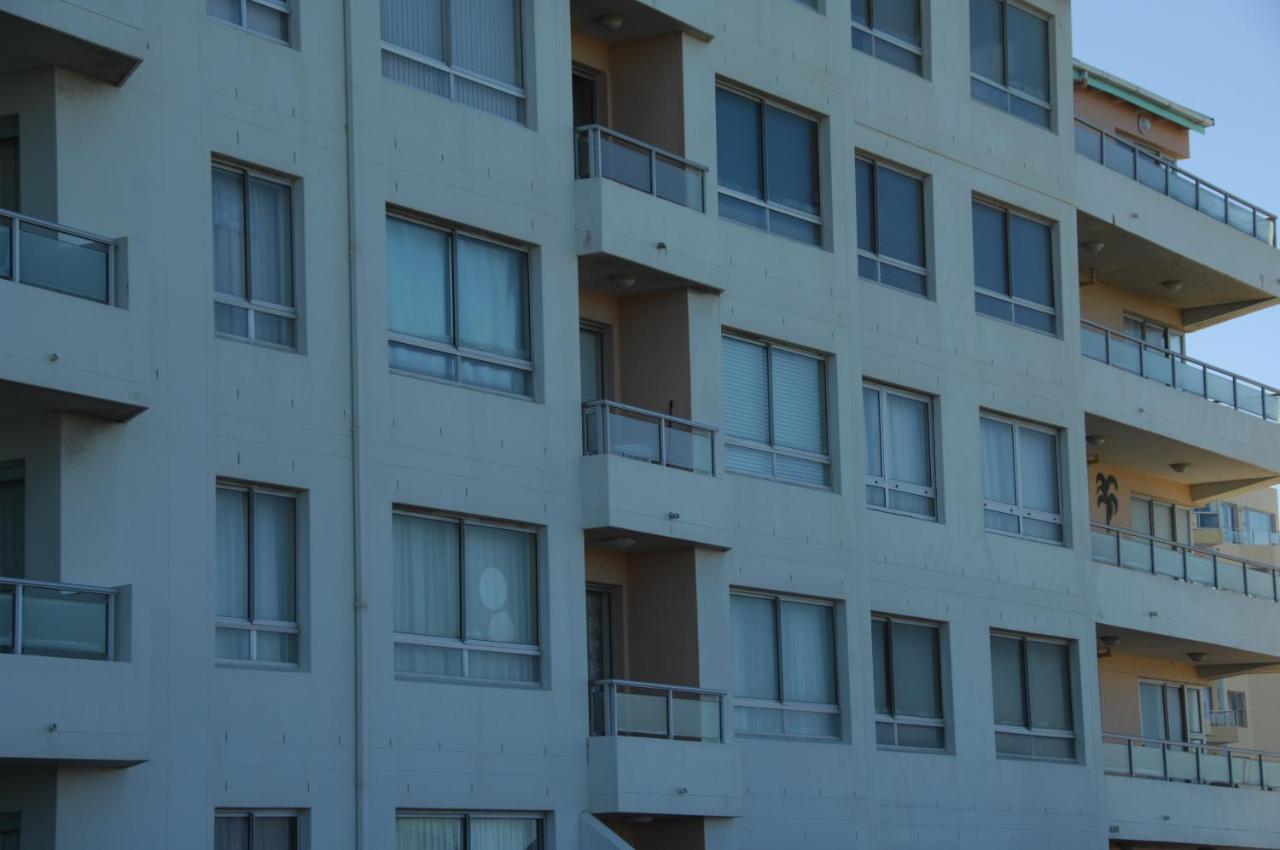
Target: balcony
658, 750
57, 620
1181, 761
609, 427
1165, 177
101, 39
57, 258
1176, 370
1132, 550
601, 152
1225, 725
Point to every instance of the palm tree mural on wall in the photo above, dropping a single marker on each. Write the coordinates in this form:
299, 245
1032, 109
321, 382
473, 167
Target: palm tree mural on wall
1107, 500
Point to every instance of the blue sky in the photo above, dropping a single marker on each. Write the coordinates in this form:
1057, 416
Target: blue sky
1217, 57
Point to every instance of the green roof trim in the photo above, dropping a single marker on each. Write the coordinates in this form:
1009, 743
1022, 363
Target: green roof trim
1181, 115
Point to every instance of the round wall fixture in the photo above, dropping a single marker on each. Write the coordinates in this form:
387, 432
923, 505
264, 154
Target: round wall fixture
1144, 124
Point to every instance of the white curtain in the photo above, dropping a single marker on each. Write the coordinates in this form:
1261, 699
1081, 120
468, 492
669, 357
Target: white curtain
486, 38
504, 834
1006, 681
500, 584
755, 656
428, 833
228, 232
909, 441
1028, 46
997, 462
1039, 470
1140, 514
1049, 685
871, 422
808, 653
231, 832
270, 242
425, 556
12, 528
746, 389
274, 557
799, 401
493, 298
233, 553
419, 293
916, 690
416, 25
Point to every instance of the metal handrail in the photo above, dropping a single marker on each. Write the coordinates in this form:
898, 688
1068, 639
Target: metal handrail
1228, 717
20, 585
1250, 536
1234, 758
1216, 562
603, 438
1270, 412
594, 162
1167, 165
16, 220
608, 726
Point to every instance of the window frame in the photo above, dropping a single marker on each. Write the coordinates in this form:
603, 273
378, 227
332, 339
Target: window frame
458, 352
1007, 212
884, 259
464, 645
1009, 91
251, 305
252, 814
466, 816
1186, 692
453, 72
1017, 509
764, 203
876, 35
782, 704
281, 6
1030, 730
774, 451
895, 719
885, 482
252, 624
1179, 512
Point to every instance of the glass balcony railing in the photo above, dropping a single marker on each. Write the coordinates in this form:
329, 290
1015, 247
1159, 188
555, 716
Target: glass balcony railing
55, 619
1134, 550
1183, 761
609, 427
1167, 178
601, 152
1174, 369
646, 710
1250, 537
51, 256
1220, 717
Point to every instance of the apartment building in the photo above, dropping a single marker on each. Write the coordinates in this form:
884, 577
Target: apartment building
797, 447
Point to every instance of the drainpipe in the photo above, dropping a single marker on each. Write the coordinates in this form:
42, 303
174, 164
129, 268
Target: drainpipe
360, 605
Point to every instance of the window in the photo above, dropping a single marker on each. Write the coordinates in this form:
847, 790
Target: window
899, 440
1236, 705
470, 51
257, 575
458, 307
1020, 491
255, 830
265, 17
466, 599
775, 412
1031, 690
462, 831
13, 519
9, 195
253, 256
1009, 59
907, 665
767, 156
591, 362
1013, 268
1172, 712
889, 30
1154, 333
891, 227
784, 666
1159, 519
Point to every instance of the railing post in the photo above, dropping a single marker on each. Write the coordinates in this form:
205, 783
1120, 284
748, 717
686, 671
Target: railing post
1231, 768
1199, 773
1235, 394
597, 155
17, 619
606, 428
1164, 759
1214, 560
653, 172
611, 718
1129, 748
1106, 346
662, 441
671, 699
15, 254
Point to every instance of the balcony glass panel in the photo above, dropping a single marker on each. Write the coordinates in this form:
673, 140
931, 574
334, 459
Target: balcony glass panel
1182, 188
1212, 202
1249, 397
1089, 142
1240, 216
1271, 772
678, 182
1190, 377
1157, 366
1168, 560
1181, 763
6, 619
1231, 575
1200, 568
695, 717
1118, 156
1148, 760
1135, 553
1093, 343
1260, 583
1105, 547
6, 248
1246, 770
634, 436
1152, 173
64, 263
64, 623
1214, 769
1115, 756
641, 712
688, 447
1126, 354
1218, 387
625, 162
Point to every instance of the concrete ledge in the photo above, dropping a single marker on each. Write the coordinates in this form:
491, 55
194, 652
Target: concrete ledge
1193, 815
662, 777
621, 494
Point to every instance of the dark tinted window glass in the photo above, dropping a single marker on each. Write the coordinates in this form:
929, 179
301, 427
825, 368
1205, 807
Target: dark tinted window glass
792, 165
878, 647
738, 143
1028, 53
989, 249
900, 203
860, 12
1007, 686
986, 54
1049, 668
1032, 260
584, 100
866, 213
899, 18
916, 691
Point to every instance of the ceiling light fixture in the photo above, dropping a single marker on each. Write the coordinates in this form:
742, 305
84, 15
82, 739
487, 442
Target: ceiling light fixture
1180, 467
623, 281
1093, 247
612, 23
1171, 285
1197, 657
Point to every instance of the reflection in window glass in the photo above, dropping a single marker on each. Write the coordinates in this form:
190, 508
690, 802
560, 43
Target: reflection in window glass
1009, 59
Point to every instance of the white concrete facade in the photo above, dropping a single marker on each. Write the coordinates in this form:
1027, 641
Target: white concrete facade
126, 415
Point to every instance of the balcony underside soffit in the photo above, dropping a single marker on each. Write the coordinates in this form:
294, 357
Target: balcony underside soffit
1209, 475
25, 45
1130, 262
635, 19
1212, 661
